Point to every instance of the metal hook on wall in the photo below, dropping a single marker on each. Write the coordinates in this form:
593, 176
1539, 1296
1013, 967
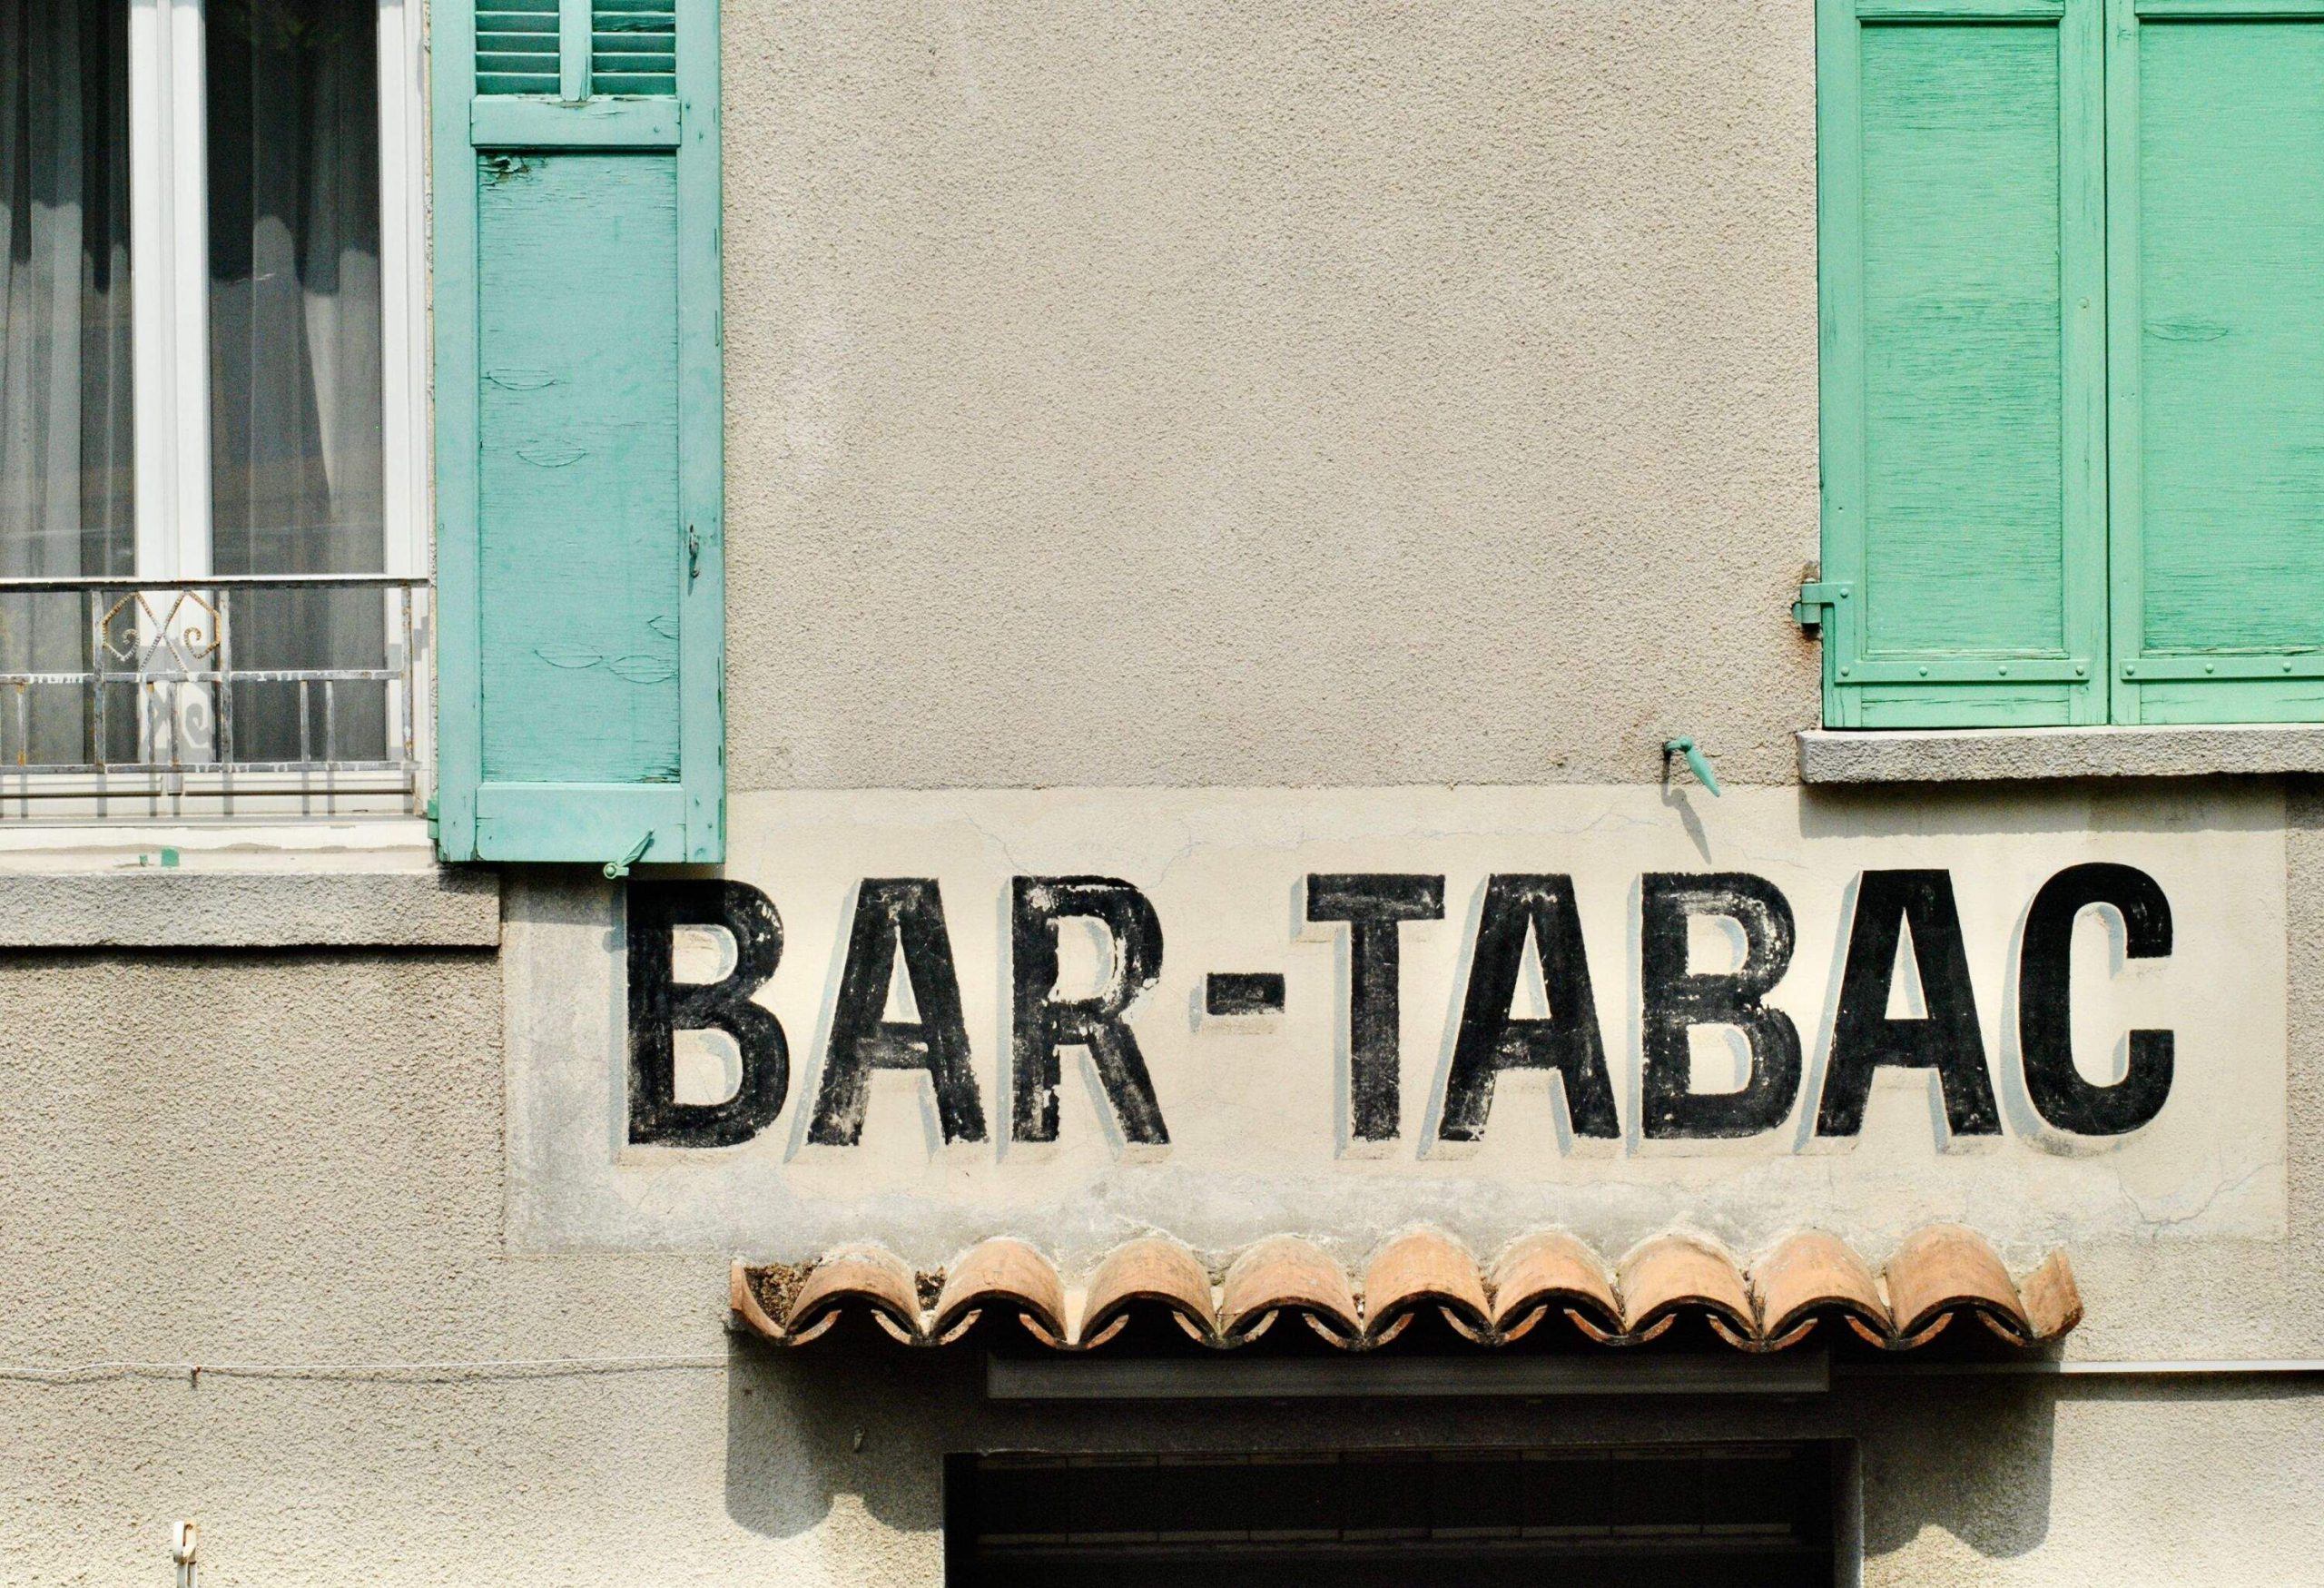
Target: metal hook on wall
1697, 763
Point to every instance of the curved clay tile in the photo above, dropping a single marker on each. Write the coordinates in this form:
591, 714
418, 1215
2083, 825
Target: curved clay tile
1814, 1274
1284, 1272
1673, 1272
1552, 1267
1938, 1274
871, 1275
743, 1303
2053, 1301
1152, 1270
1002, 1269
1422, 1268
1946, 1269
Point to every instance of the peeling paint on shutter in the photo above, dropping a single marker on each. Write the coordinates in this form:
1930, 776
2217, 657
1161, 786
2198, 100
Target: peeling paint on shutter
579, 402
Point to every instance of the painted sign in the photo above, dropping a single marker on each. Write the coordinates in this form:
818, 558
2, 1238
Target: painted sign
926, 1017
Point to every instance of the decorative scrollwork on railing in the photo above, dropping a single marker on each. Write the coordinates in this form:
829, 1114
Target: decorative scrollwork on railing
186, 642
153, 688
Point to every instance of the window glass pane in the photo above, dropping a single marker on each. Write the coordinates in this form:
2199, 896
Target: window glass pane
65, 433
295, 357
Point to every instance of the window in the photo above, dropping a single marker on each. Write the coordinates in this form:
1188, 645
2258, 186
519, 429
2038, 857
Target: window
2072, 282
1716, 1516
212, 467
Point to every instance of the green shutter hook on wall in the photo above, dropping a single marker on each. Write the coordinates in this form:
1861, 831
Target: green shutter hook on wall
617, 869
1696, 762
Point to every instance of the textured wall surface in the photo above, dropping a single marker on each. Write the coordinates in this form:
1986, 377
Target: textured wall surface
1274, 394
1248, 1133
1264, 394
297, 1159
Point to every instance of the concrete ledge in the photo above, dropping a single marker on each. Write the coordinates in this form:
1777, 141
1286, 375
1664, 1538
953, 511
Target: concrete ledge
156, 908
1992, 754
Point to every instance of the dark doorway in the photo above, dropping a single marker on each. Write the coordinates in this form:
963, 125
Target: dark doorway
1721, 1516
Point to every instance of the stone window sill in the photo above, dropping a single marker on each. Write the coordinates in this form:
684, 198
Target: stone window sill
344, 884
1829, 756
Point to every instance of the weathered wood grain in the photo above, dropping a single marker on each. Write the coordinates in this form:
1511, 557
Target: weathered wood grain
579, 535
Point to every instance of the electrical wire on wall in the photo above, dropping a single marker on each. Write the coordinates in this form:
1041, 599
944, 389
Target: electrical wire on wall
422, 1372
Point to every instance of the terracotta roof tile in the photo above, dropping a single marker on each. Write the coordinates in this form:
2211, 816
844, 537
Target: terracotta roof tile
1677, 1273
1425, 1268
1006, 1272
1813, 1275
866, 1275
1945, 1269
2053, 1301
1286, 1274
1809, 1280
1155, 1271
1552, 1268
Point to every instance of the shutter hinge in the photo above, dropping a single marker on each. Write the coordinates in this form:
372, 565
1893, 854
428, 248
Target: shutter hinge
1816, 597
693, 556
617, 869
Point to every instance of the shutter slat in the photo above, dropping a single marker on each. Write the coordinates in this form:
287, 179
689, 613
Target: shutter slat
516, 47
633, 47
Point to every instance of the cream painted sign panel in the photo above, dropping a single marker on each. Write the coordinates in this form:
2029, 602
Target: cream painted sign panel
924, 1018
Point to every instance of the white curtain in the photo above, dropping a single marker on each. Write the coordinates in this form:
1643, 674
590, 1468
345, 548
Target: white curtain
65, 432
295, 354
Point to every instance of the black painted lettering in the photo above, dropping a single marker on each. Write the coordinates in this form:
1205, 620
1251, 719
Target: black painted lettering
660, 1007
1229, 993
1865, 1039
1490, 1040
890, 911
1374, 906
2045, 1008
1675, 1002
1044, 1022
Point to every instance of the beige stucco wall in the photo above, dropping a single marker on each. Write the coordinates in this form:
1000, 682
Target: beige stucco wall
1272, 394
297, 1159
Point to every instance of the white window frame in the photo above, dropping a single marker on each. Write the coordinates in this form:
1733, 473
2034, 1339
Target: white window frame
169, 291
170, 283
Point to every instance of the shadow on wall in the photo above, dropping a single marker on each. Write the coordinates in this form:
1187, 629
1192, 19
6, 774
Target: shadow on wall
875, 1424
1971, 1458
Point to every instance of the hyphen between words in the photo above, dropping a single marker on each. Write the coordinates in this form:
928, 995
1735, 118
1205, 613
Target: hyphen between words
1521, 917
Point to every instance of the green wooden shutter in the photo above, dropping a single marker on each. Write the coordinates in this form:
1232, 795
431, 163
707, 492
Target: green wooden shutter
1962, 214
578, 430
2216, 150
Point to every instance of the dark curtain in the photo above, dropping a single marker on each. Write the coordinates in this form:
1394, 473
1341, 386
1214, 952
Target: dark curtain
66, 438
295, 356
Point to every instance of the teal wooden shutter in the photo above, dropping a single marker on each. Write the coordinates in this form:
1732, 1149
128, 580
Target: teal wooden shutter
2216, 148
1962, 267
578, 430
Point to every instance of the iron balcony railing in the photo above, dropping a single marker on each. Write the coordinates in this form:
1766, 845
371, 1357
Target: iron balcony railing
258, 681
